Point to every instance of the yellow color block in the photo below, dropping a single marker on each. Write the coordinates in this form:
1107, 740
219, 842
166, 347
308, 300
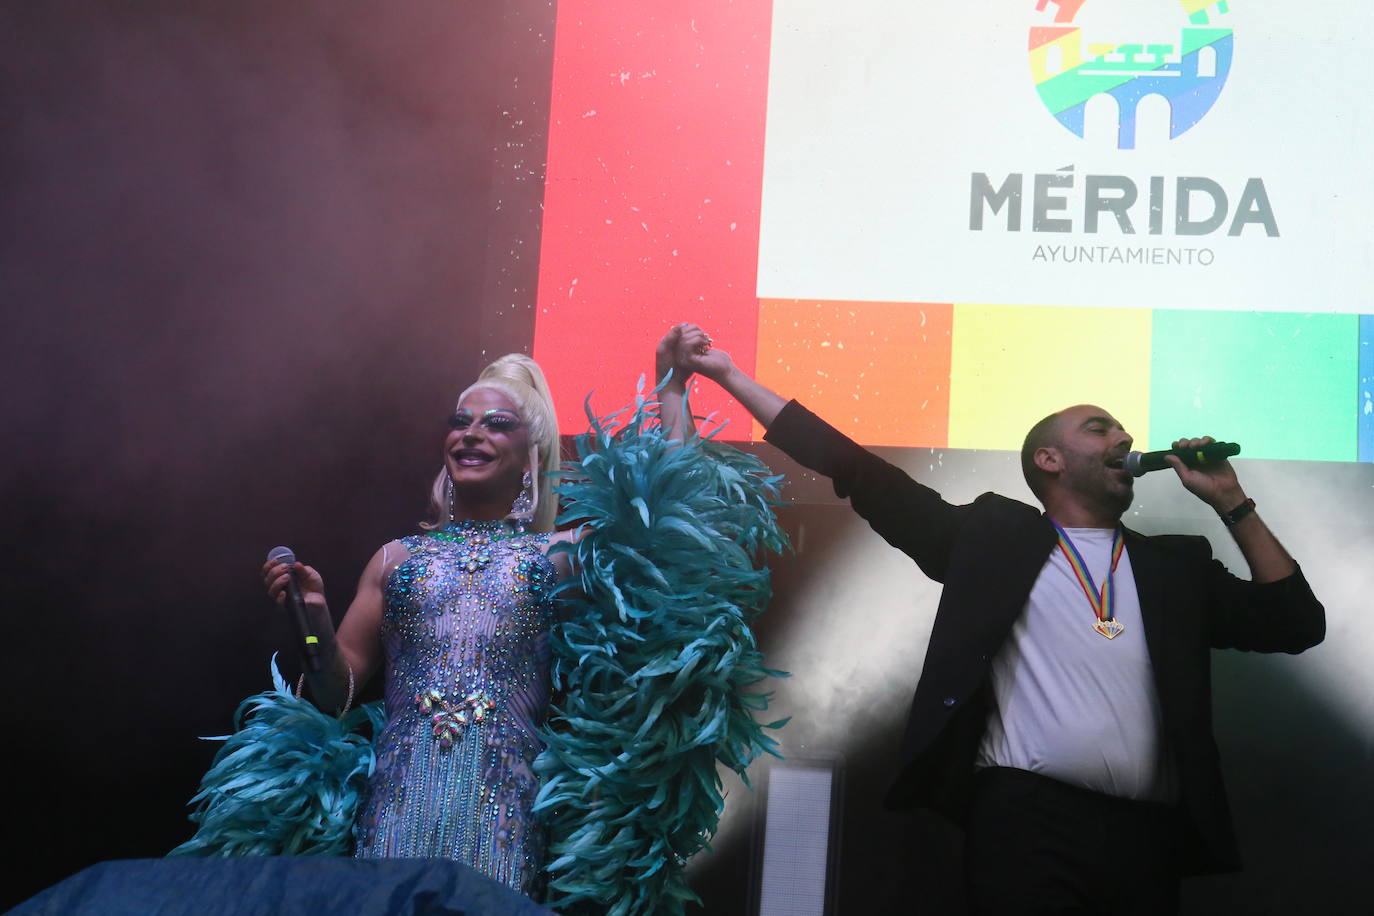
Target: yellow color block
1012, 365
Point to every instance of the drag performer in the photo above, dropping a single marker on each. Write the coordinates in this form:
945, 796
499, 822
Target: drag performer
1063, 713
466, 619
461, 616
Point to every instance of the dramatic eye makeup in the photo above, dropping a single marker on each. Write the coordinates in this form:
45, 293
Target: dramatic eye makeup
493, 421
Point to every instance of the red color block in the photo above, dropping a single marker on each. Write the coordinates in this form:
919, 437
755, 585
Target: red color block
654, 181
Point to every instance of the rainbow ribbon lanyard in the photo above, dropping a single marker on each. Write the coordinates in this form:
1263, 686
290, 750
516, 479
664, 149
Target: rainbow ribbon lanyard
1103, 601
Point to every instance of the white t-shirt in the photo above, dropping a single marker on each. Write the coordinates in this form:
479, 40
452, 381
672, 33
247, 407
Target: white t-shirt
1068, 702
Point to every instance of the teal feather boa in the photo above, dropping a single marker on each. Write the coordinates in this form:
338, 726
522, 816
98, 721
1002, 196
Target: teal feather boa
655, 661
287, 782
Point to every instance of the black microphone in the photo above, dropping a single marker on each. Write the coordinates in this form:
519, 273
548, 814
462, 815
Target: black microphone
310, 643
1141, 463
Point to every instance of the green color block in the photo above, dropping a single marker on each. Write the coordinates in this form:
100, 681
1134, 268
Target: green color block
1277, 383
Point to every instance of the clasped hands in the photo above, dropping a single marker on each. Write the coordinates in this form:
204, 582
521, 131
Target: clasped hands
686, 349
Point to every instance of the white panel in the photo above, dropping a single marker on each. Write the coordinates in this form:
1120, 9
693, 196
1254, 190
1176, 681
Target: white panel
796, 841
881, 111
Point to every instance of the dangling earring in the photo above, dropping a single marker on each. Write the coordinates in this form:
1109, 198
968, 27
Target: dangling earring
523, 506
448, 496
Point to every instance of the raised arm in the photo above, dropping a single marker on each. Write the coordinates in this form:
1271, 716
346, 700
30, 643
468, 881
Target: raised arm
356, 648
1276, 610
909, 516
672, 396
1218, 486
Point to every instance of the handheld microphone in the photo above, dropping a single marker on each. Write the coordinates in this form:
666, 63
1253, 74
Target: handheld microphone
1141, 463
310, 643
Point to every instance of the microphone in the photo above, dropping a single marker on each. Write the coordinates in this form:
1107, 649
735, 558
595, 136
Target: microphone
1141, 463
295, 604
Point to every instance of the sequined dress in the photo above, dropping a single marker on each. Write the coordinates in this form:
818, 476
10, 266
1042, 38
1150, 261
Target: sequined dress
465, 632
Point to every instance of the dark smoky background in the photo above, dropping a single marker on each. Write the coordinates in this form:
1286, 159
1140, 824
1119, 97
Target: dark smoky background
245, 269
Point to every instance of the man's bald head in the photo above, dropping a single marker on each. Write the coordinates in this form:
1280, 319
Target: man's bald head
1044, 434
1072, 461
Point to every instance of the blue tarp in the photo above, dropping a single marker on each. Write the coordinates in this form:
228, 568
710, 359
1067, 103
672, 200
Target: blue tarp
270, 885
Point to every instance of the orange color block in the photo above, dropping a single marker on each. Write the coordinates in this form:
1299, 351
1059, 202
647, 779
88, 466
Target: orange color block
878, 371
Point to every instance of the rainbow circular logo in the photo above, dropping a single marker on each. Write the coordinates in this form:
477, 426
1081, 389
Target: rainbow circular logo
1070, 69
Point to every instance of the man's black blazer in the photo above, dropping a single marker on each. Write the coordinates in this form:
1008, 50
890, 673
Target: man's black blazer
988, 554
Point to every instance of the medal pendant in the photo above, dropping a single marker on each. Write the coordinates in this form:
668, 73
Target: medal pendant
1109, 628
